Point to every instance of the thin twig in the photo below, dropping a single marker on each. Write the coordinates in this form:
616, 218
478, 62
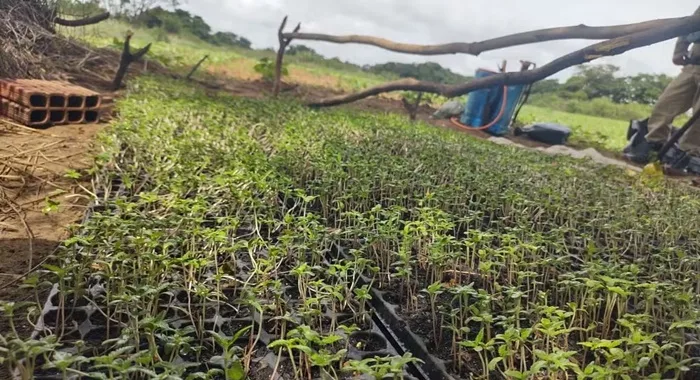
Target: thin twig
30, 234
47, 145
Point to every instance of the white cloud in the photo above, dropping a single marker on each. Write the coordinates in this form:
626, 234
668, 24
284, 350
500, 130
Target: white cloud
441, 21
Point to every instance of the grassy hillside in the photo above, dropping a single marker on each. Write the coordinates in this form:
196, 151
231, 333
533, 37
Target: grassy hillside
182, 51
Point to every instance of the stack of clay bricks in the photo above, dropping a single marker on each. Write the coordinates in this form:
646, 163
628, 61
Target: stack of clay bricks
39, 103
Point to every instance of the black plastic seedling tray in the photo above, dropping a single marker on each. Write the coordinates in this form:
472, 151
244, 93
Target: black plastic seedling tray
81, 319
399, 335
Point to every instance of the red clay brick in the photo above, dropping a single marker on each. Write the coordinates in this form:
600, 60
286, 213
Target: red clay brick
37, 102
49, 94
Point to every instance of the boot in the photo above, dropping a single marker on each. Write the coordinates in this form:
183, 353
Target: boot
693, 165
639, 149
677, 159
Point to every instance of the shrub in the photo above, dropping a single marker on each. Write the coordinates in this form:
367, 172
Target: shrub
266, 68
602, 107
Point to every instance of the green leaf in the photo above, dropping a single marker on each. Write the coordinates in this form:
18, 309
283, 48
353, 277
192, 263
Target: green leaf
643, 362
503, 350
480, 336
304, 349
240, 333
538, 366
53, 268
72, 174
235, 371
494, 362
515, 374
617, 352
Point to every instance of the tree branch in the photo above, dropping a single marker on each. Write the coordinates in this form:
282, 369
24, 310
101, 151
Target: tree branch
284, 43
412, 108
602, 49
127, 59
196, 67
83, 21
476, 48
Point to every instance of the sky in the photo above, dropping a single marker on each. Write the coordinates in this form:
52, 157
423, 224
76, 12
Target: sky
443, 21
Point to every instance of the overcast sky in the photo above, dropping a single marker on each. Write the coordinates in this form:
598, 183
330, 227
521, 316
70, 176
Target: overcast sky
442, 21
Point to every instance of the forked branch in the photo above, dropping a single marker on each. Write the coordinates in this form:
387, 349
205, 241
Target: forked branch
476, 48
284, 43
611, 47
83, 21
127, 59
412, 108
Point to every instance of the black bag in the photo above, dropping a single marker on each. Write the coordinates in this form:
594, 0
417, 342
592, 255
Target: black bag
548, 133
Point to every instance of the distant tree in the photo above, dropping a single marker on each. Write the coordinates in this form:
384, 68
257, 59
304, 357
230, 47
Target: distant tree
302, 49
593, 82
182, 21
244, 43
133, 9
645, 88
547, 86
80, 8
230, 39
223, 38
429, 71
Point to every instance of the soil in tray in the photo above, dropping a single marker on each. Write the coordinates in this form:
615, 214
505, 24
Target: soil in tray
261, 371
367, 341
419, 321
421, 324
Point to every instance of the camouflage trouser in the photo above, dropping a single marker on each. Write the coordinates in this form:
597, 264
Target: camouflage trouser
681, 94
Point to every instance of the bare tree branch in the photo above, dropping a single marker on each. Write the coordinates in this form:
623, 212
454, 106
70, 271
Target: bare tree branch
127, 59
83, 21
476, 48
602, 49
284, 43
194, 69
412, 108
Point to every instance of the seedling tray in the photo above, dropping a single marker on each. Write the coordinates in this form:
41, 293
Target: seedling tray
397, 332
80, 318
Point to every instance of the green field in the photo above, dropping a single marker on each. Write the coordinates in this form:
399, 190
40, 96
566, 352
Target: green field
181, 52
251, 229
586, 130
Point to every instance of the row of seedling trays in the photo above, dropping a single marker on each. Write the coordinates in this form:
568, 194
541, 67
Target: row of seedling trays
80, 320
383, 334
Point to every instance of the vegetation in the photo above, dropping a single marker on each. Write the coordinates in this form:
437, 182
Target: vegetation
266, 68
598, 132
242, 228
596, 90
180, 21
600, 107
429, 71
620, 97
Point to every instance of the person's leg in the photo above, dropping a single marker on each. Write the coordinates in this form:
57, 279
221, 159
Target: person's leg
677, 98
690, 141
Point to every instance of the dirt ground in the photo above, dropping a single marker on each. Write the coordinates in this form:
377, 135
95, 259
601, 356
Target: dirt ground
37, 201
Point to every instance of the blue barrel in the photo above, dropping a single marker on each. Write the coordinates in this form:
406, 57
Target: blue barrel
476, 103
484, 105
